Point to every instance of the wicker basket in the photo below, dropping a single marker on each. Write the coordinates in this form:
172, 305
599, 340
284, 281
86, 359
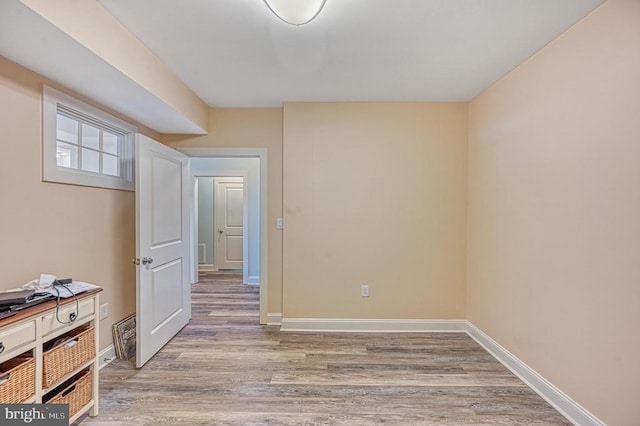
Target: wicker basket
77, 393
17, 379
77, 348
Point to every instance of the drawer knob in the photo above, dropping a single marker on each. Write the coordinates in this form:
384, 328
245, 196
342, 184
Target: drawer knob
1, 347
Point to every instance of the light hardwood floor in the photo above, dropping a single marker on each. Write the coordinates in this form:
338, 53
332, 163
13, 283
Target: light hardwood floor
225, 369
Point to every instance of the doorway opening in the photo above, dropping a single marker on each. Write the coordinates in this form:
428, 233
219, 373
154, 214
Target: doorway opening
250, 164
220, 208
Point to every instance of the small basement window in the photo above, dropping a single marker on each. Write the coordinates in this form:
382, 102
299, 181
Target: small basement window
83, 145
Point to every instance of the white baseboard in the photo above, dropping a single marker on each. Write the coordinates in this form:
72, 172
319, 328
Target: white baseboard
205, 267
253, 280
570, 409
107, 355
372, 325
274, 319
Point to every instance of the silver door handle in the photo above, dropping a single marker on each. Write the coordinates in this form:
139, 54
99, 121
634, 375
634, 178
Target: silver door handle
147, 260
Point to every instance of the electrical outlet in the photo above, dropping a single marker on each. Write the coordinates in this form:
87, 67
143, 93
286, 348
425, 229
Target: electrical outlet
279, 223
364, 290
104, 311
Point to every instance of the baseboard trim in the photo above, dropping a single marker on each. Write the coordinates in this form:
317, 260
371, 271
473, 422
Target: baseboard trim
204, 267
274, 319
372, 325
570, 409
107, 355
253, 280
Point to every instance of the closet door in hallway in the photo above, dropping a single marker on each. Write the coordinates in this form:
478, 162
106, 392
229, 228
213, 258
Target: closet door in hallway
228, 218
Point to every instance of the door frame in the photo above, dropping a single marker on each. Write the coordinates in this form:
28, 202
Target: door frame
261, 155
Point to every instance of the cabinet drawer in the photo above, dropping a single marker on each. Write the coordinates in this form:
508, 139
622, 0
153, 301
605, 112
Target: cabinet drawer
50, 324
17, 336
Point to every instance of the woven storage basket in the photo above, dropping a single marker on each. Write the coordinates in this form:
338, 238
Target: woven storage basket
67, 356
18, 379
77, 394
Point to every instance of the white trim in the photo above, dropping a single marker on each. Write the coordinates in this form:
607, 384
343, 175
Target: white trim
107, 355
253, 280
372, 325
274, 319
261, 154
193, 228
207, 267
570, 409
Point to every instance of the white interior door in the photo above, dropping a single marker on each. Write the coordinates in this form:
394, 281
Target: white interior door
163, 293
229, 197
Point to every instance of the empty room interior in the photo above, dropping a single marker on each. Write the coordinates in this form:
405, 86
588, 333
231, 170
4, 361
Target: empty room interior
427, 178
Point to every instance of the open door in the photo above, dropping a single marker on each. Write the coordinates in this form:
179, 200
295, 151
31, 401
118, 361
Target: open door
163, 292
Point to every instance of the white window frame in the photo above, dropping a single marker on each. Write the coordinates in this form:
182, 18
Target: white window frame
51, 101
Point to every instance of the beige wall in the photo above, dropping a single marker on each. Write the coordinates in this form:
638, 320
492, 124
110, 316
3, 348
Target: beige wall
375, 194
251, 128
554, 212
70, 231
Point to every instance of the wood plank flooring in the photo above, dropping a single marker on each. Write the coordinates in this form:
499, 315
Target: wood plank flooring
225, 369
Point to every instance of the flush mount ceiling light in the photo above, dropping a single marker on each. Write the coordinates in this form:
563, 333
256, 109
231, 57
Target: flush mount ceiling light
295, 12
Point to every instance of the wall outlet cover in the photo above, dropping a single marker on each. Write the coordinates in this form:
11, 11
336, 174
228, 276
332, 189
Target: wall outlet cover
104, 311
364, 291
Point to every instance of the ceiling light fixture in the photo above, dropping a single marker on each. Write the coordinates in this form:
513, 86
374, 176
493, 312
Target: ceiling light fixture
295, 12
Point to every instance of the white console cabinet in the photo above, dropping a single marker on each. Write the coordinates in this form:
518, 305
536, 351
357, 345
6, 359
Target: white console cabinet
66, 372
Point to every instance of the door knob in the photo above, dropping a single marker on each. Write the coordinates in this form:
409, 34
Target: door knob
147, 260
135, 261
220, 231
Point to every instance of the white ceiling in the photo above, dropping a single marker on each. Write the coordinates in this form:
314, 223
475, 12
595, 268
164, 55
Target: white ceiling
235, 53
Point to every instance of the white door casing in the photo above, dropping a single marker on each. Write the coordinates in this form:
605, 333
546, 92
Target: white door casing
200, 164
228, 228
163, 292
